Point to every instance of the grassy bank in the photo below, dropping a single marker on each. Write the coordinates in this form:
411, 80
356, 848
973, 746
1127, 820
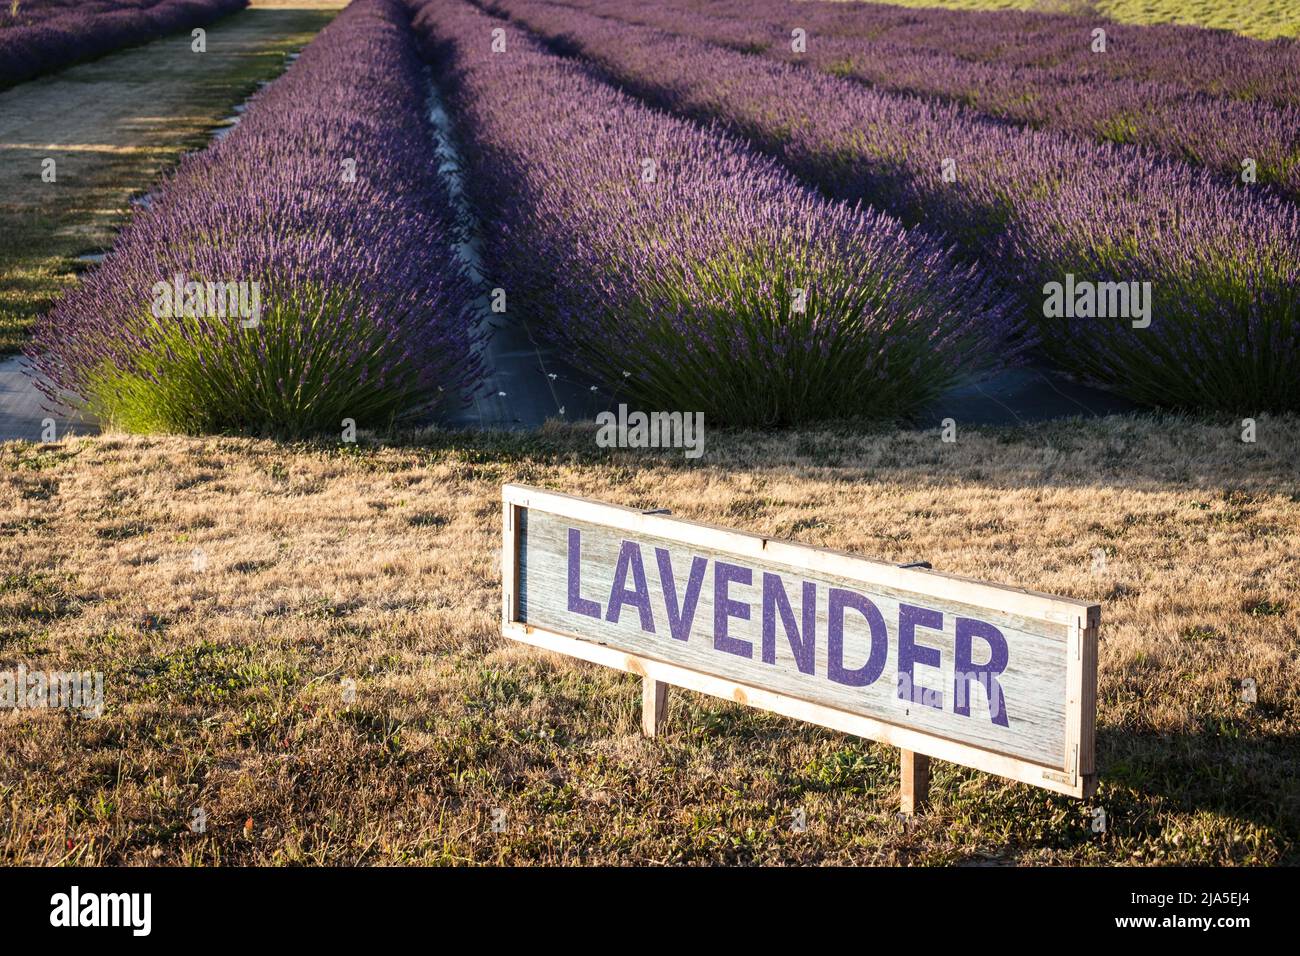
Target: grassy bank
325, 680
112, 126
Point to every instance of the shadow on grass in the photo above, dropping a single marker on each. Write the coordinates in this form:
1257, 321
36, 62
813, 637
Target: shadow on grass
1150, 451
1249, 776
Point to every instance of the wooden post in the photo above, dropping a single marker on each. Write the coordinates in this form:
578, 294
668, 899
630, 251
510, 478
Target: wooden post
914, 768
654, 705
914, 785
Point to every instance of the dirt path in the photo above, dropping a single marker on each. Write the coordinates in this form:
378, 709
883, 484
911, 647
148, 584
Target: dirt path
111, 126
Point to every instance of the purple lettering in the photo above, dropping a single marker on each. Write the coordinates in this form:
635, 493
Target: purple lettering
629, 558
986, 675
910, 654
724, 608
679, 624
774, 600
577, 603
835, 669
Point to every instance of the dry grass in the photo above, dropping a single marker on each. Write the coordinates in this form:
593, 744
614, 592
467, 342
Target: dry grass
378, 564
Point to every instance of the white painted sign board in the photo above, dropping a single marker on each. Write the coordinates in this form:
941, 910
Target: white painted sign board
992, 677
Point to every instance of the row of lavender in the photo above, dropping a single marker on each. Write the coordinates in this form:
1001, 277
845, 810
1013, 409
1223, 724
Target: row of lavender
1251, 138
683, 269
296, 274
1220, 269
1215, 62
27, 13
52, 37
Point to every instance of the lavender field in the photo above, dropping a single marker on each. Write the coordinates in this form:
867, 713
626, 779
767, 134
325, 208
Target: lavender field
767, 223
360, 306
293, 288
40, 36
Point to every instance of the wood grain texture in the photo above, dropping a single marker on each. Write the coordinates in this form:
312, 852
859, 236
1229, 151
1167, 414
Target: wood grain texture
1034, 683
913, 781
904, 738
1049, 679
654, 705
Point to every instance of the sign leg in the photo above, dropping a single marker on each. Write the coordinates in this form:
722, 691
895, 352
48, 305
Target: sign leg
914, 786
654, 705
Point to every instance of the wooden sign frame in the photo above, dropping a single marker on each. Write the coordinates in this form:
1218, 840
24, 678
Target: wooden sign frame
1080, 621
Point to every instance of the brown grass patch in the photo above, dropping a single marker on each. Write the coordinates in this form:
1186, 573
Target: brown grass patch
375, 568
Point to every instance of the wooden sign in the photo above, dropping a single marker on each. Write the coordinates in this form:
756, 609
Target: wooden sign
993, 677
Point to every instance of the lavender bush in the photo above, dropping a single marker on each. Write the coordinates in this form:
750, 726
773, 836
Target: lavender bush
45, 35
326, 197
1215, 62
1224, 264
1214, 131
669, 260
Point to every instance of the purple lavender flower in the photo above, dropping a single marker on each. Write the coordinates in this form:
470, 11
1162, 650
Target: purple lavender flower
683, 269
363, 306
1031, 205
45, 35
